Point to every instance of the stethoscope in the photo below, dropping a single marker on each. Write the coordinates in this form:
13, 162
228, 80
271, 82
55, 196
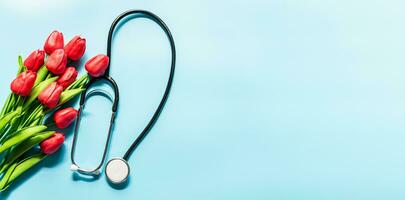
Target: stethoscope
117, 169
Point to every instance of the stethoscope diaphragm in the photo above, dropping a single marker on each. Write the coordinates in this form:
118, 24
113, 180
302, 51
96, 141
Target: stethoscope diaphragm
117, 170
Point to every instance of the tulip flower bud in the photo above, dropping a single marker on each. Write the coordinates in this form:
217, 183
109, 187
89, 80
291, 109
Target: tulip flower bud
68, 77
52, 144
54, 42
35, 60
49, 97
22, 85
63, 118
56, 62
97, 65
75, 48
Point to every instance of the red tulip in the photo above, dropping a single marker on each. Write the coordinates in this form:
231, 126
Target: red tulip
49, 97
75, 48
68, 77
63, 118
56, 62
54, 42
97, 65
24, 82
35, 60
52, 144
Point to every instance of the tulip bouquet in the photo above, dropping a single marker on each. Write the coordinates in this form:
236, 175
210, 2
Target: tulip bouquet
45, 81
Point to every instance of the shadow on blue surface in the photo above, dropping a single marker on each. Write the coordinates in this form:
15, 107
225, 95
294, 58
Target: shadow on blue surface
79, 177
119, 186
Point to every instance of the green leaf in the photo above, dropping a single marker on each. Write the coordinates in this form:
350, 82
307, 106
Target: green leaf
35, 122
33, 113
6, 177
50, 75
42, 73
5, 157
68, 95
13, 101
79, 83
25, 164
21, 136
10, 104
7, 118
3, 110
18, 102
14, 127
19, 168
20, 61
21, 66
24, 147
38, 89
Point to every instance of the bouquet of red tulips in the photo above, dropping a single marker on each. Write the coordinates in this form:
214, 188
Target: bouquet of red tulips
45, 81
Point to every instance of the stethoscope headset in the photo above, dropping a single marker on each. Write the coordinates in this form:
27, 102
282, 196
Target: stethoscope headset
117, 170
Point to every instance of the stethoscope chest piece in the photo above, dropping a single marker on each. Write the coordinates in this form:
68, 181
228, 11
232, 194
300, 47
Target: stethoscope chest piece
117, 171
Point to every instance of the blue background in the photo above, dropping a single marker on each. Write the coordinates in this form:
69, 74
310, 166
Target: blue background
298, 99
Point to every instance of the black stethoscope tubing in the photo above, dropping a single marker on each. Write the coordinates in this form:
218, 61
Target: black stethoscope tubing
108, 78
159, 109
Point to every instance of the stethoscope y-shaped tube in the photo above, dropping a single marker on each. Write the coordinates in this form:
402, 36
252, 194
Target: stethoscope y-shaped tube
117, 169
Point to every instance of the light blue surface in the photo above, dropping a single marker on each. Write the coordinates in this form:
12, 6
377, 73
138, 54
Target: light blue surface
292, 100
